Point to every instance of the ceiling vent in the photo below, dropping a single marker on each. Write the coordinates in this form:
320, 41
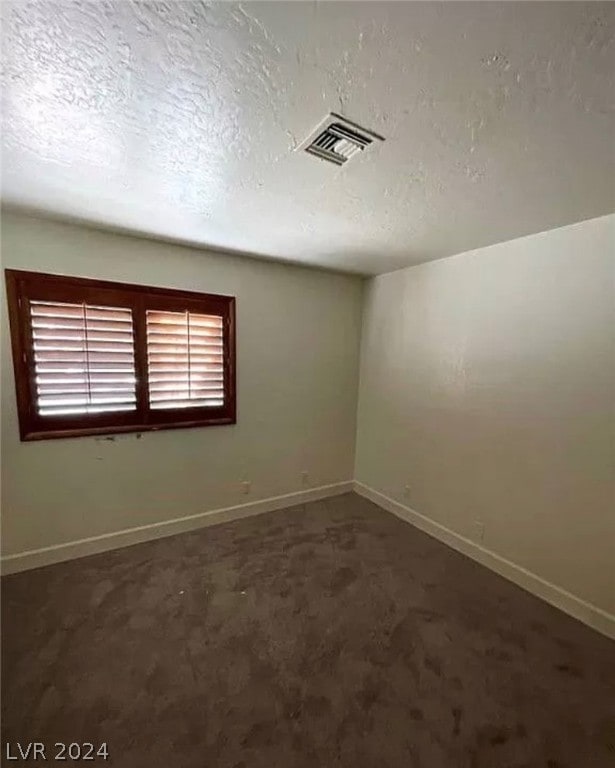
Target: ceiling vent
337, 140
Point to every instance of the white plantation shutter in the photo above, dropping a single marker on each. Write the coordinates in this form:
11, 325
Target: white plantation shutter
185, 357
84, 359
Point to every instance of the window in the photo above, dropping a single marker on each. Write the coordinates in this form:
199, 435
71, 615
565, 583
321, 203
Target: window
95, 357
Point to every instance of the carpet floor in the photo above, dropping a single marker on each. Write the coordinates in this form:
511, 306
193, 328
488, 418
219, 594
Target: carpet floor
327, 634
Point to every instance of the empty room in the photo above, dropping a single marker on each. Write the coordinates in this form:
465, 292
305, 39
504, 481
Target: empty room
308, 384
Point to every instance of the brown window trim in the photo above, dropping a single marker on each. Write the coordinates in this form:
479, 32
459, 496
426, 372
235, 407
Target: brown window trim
25, 286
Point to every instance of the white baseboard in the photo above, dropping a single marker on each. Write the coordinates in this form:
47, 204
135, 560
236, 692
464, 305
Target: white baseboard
580, 609
35, 558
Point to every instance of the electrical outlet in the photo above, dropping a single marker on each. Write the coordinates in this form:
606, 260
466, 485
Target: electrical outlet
246, 487
479, 530
407, 491
305, 477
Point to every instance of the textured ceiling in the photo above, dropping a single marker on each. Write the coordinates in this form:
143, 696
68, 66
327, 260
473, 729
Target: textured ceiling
179, 120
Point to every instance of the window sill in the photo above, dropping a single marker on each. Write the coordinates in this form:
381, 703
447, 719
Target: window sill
94, 431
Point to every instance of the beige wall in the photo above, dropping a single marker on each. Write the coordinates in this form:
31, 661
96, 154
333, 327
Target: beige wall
297, 359
488, 387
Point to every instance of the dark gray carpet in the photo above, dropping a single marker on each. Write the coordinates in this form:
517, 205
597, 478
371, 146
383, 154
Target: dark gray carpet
328, 634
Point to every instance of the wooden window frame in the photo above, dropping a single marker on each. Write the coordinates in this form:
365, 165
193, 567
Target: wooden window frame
23, 287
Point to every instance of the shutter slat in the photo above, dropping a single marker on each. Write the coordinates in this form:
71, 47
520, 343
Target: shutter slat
75, 311
72, 367
194, 403
174, 332
182, 376
167, 319
83, 358
186, 394
196, 371
87, 399
70, 358
179, 360
83, 389
66, 379
160, 340
100, 326
63, 345
45, 335
185, 357
162, 397
182, 349
186, 385
64, 410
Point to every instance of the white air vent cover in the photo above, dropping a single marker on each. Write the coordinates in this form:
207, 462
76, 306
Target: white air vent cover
337, 139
